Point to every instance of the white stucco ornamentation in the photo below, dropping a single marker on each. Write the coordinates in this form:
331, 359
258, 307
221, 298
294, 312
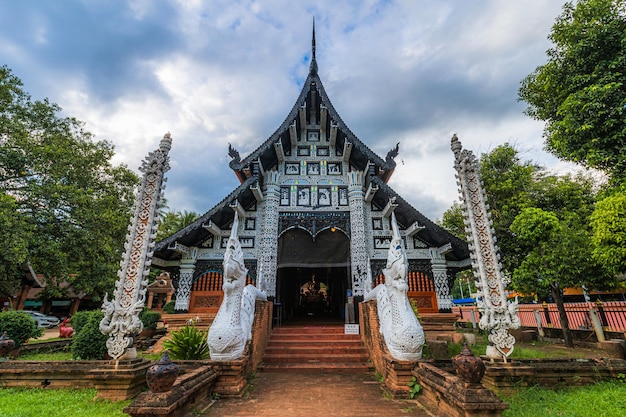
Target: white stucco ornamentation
497, 314
399, 327
121, 315
185, 281
269, 231
358, 251
232, 326
440, 276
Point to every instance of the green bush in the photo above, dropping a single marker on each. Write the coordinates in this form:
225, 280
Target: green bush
169, 307
19, 326
81, 318
89, 343
188, 343
149, 318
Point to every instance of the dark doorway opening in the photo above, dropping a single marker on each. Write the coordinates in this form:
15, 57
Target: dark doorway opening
313, 273
314, 293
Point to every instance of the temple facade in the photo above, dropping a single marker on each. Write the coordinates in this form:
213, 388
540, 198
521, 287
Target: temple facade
314, 209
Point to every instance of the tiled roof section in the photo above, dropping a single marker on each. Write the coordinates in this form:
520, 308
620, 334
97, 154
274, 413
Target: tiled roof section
386, 166
191, 234
432, 233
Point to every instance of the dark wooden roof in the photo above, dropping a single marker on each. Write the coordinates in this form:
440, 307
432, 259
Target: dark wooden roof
314, 96
221, 215
432, 234
379, 170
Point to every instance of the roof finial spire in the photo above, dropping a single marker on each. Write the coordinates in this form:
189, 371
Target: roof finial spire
313, 67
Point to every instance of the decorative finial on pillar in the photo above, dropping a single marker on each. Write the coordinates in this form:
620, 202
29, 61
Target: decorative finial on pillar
121, 315
313, 67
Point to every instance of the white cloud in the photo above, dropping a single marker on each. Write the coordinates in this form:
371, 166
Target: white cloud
213, 72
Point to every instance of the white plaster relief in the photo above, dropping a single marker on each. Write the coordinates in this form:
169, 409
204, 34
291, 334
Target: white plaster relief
497, 314
121, 315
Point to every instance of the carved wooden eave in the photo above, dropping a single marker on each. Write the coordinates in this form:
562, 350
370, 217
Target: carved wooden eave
219, 218
313, 107
414, 223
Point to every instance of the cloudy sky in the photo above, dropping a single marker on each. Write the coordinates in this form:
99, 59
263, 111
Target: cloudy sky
220, 71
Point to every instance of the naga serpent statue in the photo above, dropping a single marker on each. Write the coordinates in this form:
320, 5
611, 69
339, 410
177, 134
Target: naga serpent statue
232, 327
399, 327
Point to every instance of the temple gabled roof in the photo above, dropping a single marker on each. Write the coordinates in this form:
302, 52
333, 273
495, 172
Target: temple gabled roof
312, 107
429, 233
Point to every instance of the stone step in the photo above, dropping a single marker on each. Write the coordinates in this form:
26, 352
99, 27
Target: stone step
311, 358
325, 344
315, 338
309, 329
316, 367
314, 348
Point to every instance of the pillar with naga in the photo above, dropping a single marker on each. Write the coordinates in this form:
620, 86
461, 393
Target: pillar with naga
497, 314
399, 326
232, 327
121, 315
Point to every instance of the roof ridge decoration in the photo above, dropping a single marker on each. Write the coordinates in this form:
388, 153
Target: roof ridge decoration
313, 66
313, 81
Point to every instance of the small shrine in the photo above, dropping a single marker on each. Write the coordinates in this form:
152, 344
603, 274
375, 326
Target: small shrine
314, 208
163, 289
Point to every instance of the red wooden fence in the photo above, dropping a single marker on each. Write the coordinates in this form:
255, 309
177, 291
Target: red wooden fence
612, 315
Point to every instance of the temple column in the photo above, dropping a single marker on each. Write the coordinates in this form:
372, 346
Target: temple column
358, 248
440, 278
269, 233
183, 294
150, 300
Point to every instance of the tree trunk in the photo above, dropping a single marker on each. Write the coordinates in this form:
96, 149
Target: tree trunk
558, 299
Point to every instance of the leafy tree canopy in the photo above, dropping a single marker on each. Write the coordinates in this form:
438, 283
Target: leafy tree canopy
64, 207
557, 210
171, 222
581, 91
609, 233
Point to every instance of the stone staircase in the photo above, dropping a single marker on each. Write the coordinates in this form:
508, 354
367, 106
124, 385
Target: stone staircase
320, 348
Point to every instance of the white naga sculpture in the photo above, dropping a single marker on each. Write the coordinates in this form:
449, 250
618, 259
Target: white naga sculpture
399, 327
232, 326
497, 315
121, 315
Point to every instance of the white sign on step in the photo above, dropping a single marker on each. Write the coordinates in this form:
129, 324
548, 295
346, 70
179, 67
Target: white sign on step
351, 329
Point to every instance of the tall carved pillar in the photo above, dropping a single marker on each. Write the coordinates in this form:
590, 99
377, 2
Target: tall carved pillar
121, 315
185, 281
269, 233
440, 277
358, 248
497, 314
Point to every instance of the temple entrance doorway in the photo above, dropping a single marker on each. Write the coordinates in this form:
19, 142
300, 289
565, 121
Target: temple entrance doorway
313, 274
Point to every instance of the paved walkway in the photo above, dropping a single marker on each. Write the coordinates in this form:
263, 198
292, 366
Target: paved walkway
313, 395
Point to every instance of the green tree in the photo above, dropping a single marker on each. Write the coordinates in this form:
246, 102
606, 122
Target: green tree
561, 256
608, 222
171, 222
15, 233
61, 193
509, 183
581, 91
452, 221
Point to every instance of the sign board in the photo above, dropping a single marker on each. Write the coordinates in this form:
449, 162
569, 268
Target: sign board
351, 329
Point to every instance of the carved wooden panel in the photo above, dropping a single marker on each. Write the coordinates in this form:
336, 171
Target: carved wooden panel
205, 301
426, 301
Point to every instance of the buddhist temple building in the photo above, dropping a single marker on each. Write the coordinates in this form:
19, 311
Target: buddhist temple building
314, 206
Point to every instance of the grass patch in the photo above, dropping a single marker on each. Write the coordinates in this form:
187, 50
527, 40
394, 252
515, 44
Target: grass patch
534, 350
605, 399
46, 356
57, 403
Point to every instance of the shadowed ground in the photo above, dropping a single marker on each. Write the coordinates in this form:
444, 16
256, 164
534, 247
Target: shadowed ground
314, 394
